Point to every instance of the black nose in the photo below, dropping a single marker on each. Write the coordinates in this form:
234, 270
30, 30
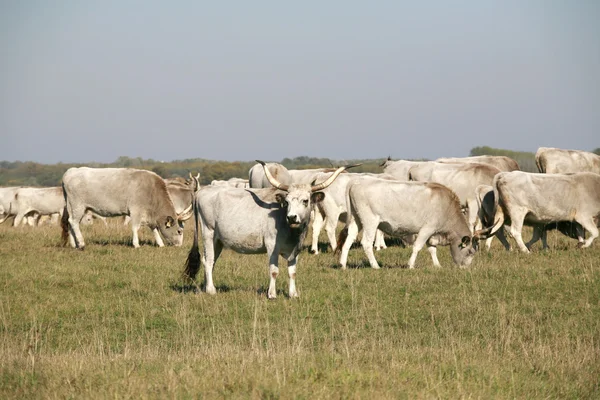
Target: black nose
292, 219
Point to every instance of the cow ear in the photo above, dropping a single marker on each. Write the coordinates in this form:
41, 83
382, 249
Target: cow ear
170, 222
317, 197
280, 197
466, 240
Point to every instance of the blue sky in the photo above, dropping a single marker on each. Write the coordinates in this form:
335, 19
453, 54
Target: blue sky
91, 81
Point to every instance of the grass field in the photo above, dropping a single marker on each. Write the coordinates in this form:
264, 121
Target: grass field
118, 322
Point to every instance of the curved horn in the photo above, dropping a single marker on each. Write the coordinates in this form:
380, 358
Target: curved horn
196, 181
388, 159
272, 179
332, 178
483, 234
186, 214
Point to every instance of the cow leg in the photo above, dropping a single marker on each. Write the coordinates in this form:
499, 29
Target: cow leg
18, 219
590, 226
433, 251
273, 272
75, 236
135, 227
331, 222
212, 251
502, 238
472, 213
352, 234
516, 228
367, 240
159, 241
379, 240
537, 234
316, 230
544, 237
420, 241
292, 275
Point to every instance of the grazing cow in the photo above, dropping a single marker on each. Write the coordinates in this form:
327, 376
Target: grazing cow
254, 221
38, 201
503, 163
463, 179
333, 208
521, 197
112, 192
430, 210
558, 161
486, 201
258, 179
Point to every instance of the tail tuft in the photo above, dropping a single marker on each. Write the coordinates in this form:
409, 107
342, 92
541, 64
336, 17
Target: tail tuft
341, 240
64, 223
192, 264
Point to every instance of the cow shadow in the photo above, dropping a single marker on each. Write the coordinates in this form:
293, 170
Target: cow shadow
365, 265
197, 288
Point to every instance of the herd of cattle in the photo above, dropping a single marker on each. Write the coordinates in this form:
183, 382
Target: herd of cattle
451, 201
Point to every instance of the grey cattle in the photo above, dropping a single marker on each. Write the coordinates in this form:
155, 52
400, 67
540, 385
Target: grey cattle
400, 168
486, 201
463, 179
254, 221
233, 182
257, 178
112, 192
430, 210
521, 197
550, 160
334, 207
503, 163
39, 201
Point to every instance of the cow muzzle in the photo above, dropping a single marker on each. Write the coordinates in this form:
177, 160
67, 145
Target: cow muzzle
293, 221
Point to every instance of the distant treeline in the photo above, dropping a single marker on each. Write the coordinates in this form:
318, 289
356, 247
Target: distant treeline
29, 173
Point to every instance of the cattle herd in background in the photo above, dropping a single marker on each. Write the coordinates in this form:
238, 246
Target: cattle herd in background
455, 202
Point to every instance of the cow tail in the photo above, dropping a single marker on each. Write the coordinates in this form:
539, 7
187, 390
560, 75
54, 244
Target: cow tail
192, 264
540, 164
64, 223
498, 221
349, 219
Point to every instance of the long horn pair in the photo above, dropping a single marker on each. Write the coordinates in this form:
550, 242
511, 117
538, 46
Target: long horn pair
272, 179
329, 181
189, 211
196, 181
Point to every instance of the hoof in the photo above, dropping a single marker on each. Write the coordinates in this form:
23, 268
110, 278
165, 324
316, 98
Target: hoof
580, 245
311, 251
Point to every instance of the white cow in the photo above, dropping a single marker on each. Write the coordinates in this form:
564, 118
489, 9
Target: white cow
463, 179
333, 208
112, 192
503, 163
430, 210
522, 197
550, 160
253, 221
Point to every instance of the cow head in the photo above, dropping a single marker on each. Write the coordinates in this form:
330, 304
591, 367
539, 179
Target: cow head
298, 198
462, 251
171, 229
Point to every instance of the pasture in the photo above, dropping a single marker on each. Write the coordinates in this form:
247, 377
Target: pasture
118, 322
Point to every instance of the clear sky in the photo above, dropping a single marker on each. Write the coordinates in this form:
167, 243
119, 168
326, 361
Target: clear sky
239, 80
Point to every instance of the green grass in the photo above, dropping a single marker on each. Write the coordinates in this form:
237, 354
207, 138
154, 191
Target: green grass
118, 322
